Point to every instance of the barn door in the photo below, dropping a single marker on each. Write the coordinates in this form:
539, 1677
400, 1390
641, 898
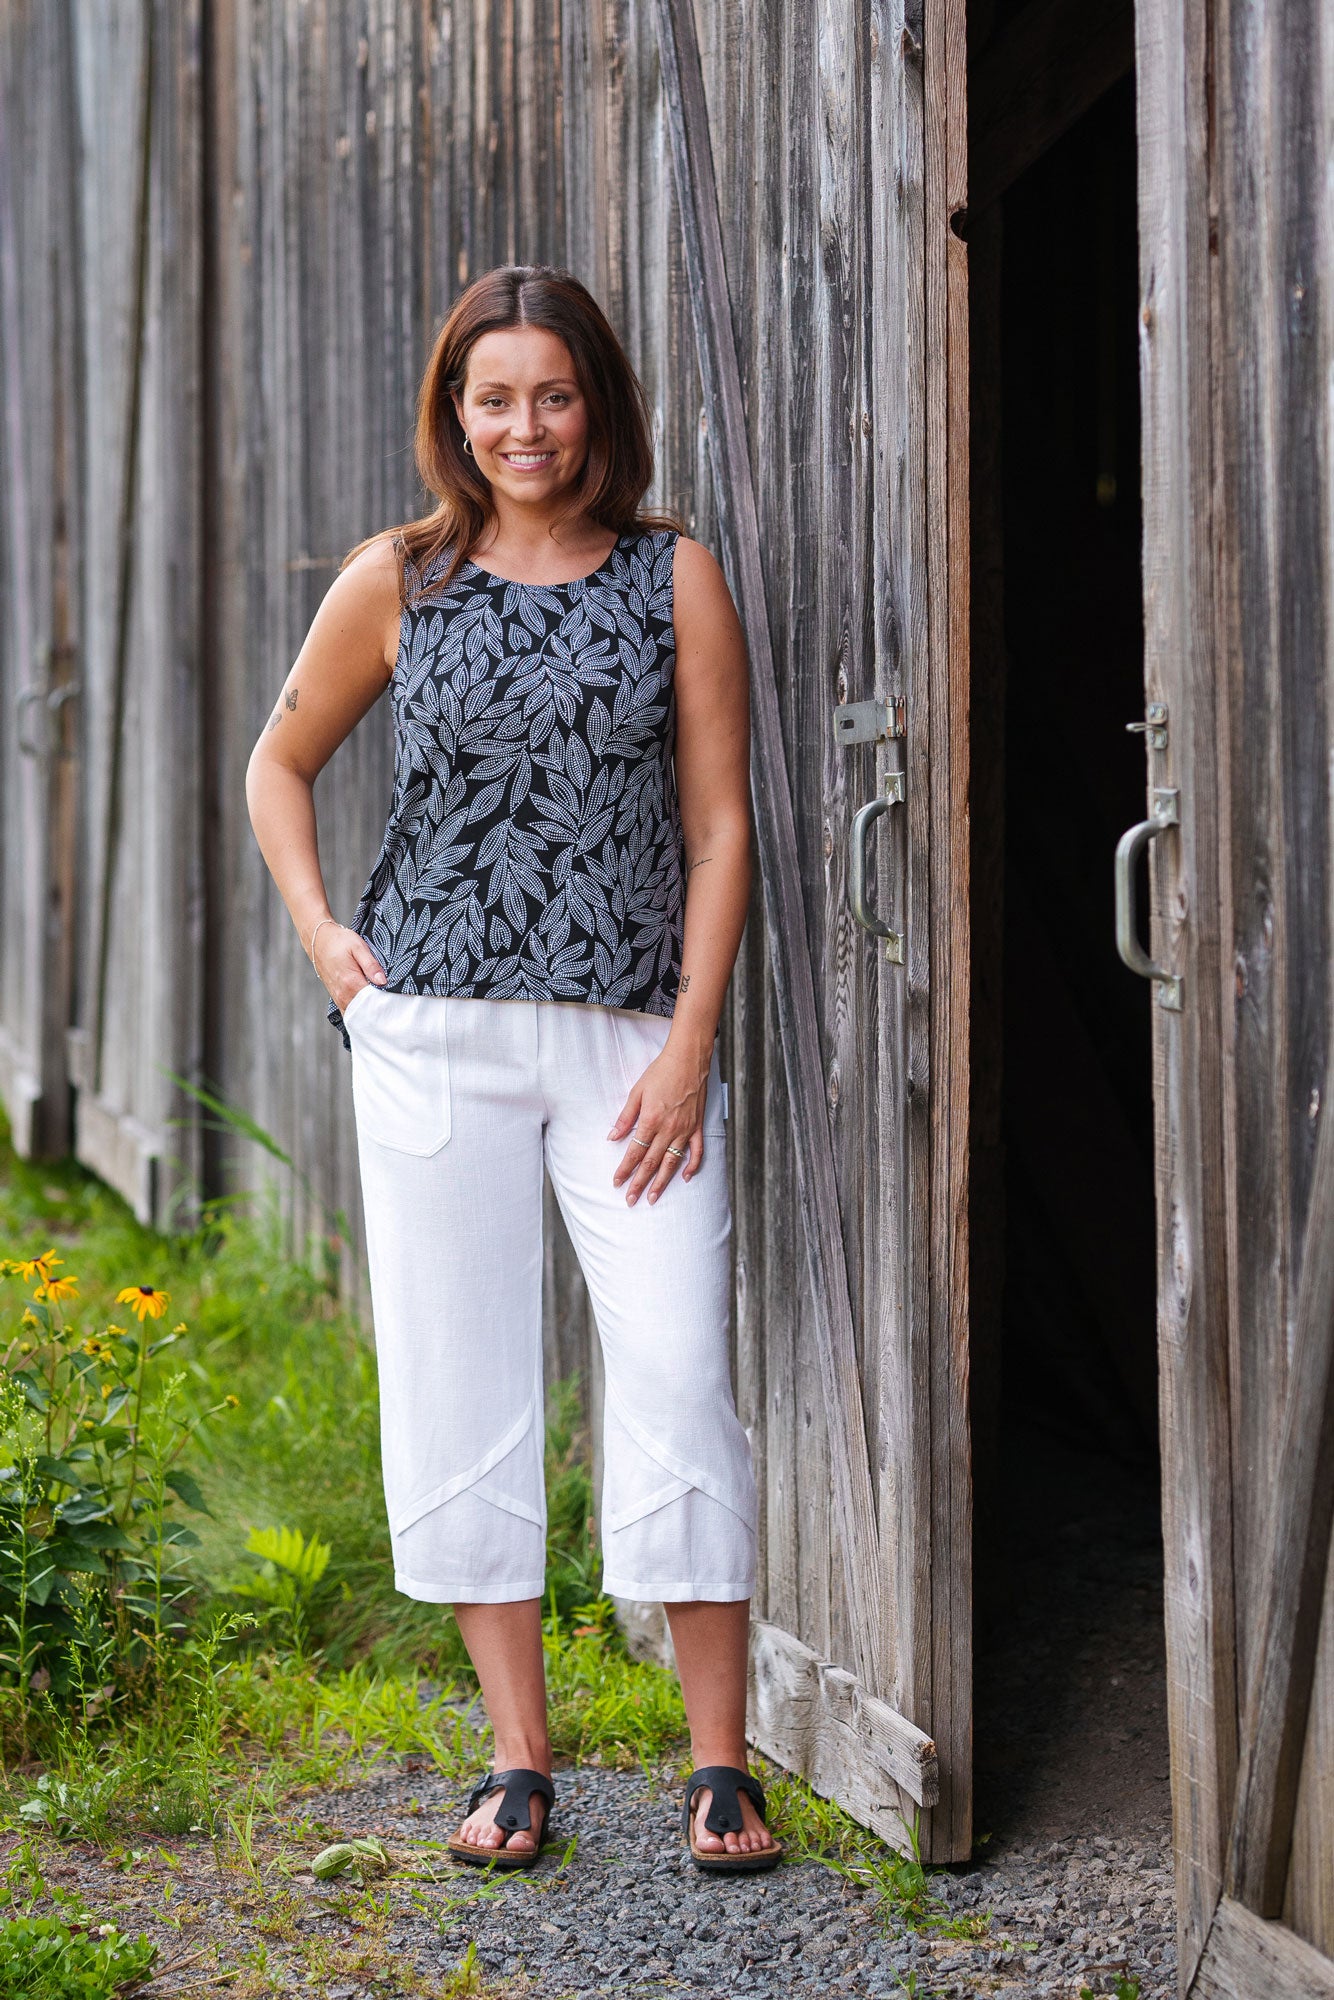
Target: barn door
38, 658
861, 1676
139, 1000
1235, 269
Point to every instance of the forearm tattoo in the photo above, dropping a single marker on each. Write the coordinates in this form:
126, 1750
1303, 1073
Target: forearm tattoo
684, 983
695, 864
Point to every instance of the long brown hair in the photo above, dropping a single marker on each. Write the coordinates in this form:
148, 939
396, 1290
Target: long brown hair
619, 465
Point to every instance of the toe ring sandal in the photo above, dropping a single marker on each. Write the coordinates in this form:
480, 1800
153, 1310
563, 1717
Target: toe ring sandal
724, 1816
513, 1816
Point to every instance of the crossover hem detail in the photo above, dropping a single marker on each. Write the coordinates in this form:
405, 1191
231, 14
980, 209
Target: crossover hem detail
463, 1480
679, 1468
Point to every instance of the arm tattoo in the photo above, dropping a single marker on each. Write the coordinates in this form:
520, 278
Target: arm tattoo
695, 864
289, 701
684, 983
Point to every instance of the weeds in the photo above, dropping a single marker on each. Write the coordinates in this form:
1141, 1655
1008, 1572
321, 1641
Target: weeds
601, 1701
815, 1829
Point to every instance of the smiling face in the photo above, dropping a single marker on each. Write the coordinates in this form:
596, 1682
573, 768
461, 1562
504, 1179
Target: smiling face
524, 413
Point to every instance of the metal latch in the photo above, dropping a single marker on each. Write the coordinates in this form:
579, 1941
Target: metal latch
1154, 726
869, 721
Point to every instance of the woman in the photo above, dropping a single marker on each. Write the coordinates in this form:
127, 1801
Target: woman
533, 978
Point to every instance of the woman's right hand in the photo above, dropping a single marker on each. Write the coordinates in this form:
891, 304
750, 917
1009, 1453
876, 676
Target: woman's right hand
345, 963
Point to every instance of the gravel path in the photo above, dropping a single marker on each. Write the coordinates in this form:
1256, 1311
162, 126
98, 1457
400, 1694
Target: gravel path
1072, 1858
631, 1914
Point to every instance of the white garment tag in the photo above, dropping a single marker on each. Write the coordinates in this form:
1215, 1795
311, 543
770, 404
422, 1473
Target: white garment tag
723, 1080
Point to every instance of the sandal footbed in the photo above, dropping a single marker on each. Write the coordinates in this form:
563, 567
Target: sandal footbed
736, 1864
494, 1857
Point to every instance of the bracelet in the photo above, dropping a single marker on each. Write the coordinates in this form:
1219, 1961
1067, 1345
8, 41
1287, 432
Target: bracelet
315, 933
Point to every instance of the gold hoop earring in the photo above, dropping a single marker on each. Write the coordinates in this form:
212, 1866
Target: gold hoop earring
467, 446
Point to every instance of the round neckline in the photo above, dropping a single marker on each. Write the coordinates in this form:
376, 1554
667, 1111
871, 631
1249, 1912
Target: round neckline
519, 583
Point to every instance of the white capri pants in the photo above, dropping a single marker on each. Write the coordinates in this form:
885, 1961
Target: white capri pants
460, 1104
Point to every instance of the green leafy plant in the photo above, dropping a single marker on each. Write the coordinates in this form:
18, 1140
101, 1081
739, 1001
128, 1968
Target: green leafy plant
94, 1561
1125, 1986
45, 1958
290, 1569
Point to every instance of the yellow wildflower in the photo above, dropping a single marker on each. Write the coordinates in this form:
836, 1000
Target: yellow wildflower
29, 1317
232, 1402
57, 1288
106, 1390
116, 1332
143, 1300
30, 1267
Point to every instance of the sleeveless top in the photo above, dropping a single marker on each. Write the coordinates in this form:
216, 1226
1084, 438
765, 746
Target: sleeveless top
534, 846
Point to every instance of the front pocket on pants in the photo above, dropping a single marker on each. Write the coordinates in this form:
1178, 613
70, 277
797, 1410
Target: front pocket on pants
400, 1070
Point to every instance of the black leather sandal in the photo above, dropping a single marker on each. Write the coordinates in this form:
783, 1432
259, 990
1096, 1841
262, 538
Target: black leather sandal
514, 1816
724, 1816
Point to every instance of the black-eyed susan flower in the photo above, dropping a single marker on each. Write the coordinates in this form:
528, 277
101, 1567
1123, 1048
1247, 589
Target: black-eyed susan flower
115, 1333
57, 1288
29, 1317
98, 1349
142, 1299
232, 1402
36, 1267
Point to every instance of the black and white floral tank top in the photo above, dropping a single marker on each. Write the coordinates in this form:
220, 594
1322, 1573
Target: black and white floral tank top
534, 847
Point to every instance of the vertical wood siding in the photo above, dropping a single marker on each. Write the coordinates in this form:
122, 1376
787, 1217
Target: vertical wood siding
1274, 377
1236, 103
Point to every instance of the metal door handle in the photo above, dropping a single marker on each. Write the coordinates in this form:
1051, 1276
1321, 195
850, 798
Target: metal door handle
858, 834
1164, 810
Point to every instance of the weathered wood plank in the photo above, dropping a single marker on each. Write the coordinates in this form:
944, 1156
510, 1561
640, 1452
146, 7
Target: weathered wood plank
1287, 1627
734, 496
1246, 1956
814, 1717
901, 1220
1273, 92
946, 269
1179, 610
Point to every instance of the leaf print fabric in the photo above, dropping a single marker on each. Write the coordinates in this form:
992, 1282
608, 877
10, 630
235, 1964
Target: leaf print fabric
534, 847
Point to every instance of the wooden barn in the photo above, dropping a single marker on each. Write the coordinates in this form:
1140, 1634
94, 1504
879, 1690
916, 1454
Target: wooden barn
991, 343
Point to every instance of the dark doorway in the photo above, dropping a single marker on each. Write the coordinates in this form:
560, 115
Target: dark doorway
1070, 1731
